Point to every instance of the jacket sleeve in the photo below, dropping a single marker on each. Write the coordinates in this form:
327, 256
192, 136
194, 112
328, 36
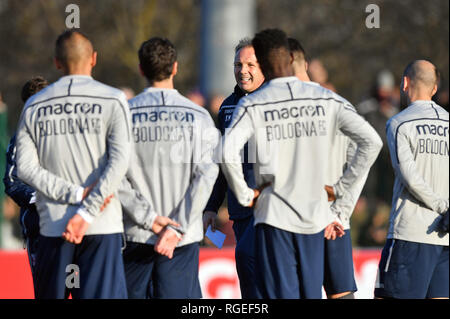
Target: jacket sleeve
368, 146
405, 167
31, 172
118, 150
204, 175
241, 130
220, 187
346, 204
218, 193
20, 192
136, 206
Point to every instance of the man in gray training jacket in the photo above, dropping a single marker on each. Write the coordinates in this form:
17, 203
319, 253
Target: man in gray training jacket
414, 262
73, 146
293, 124
172, 167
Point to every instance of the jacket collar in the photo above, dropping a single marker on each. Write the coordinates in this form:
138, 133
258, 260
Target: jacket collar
238, 92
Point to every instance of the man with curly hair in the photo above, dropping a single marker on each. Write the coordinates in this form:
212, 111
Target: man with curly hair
293, 123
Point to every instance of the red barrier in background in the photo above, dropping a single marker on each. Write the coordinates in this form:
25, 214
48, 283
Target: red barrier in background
217, 273
218, 277
15, 275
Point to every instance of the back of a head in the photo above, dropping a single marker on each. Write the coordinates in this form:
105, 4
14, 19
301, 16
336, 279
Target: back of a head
422, 74
272, 51
73, 48
33, 86
297, 50
157, 57
299, 59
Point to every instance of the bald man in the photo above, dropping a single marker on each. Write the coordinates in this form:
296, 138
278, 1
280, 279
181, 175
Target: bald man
414, 261
73, 146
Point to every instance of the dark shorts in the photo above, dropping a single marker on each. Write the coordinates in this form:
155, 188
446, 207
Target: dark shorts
288, 265
339, 274
90, 270
244, 232
151, 275
410, 270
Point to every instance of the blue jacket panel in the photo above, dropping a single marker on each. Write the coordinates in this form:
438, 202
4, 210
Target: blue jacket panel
20, 192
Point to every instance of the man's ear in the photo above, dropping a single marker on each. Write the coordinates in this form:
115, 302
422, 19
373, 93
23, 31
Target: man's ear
434, 90
405, 84
94, 59
291, 57
140, 70
175, 68
58, 64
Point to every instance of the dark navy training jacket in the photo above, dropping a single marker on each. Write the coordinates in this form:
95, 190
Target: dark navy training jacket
21, 193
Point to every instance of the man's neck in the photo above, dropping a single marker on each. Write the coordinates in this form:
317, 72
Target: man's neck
303, 76
78, 71
164, 84
419, 96
280, 72
300, 71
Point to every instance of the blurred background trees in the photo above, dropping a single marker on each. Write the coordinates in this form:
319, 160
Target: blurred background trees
28, 30
335, 32
332, 31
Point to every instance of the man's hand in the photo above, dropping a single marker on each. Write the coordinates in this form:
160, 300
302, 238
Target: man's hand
330, 193
106, 202
167, 242
257, 192
75, 229
161, 222
443, 223
334, 230
209, 218
88, 189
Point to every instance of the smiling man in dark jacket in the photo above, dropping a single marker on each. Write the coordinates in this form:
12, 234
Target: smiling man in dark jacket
249, 78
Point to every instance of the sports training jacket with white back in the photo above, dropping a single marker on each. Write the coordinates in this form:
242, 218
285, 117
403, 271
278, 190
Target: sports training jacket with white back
293, 124
72, 134
172, 166
418, 144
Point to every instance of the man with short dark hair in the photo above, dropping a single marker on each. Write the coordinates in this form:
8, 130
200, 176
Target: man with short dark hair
293, 124
21, 193
248, 78
415, 260
32, 86
172, 167
299, 61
